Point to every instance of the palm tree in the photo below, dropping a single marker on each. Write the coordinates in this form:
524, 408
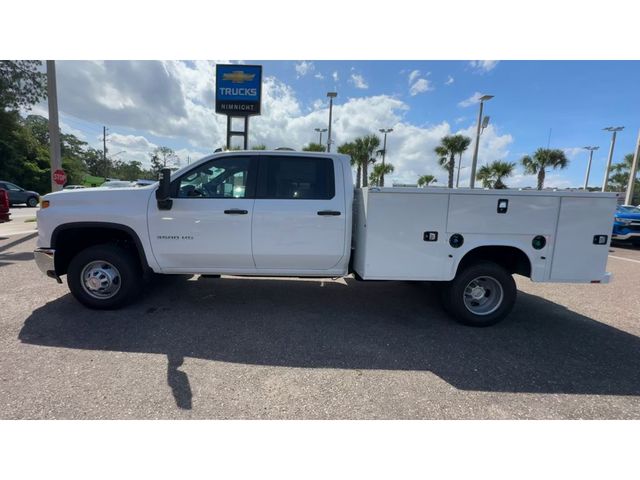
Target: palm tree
378, 173
426, 180
542, 159
450, 146
350, 149
492, 175
619, 178
314, 147
365, 147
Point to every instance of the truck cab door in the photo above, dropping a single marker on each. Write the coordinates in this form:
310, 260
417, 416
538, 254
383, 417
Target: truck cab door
299, 219
208, 228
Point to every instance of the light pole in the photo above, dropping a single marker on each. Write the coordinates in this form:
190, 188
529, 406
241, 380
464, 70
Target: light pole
321, 131
628, 198
474, 163
331, 96
586, 178
384, 151
614, 131
54, 127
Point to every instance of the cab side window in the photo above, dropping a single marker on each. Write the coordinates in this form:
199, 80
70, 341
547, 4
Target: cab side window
220, 178
303, 178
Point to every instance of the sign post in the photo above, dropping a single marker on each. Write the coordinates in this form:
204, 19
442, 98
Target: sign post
54, 128
238, 94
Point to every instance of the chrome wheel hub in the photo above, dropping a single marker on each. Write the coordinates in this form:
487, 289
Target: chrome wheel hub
483, 295
100, 279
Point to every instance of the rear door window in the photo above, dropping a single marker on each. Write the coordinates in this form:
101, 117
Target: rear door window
290, 177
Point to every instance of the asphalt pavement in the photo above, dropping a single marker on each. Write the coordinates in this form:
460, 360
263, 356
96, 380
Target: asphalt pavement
195, 347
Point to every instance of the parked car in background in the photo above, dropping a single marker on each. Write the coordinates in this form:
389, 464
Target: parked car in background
117, 184
144, 183
626, 224
18, 195
73, 187
4, 206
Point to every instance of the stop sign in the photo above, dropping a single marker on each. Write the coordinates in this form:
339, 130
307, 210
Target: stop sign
60, 177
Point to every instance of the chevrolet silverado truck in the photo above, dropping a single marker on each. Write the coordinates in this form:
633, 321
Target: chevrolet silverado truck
286, 213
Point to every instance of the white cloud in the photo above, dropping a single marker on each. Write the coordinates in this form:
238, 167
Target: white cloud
319, 76
483, 66
418, 84
449, 81
413, 75
472, 100
573, 152
179, 107
303, 68
335, 76
358, 81
421, 85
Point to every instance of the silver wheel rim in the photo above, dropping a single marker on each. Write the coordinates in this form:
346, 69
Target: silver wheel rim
100, 279
483, 295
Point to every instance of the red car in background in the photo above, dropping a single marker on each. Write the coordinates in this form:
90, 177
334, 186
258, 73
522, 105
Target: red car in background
4, 206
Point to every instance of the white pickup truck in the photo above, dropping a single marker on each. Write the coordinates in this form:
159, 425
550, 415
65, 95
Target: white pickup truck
285, 213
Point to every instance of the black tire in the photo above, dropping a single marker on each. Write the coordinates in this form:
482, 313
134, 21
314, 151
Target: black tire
493, 280
122, 261
32, 202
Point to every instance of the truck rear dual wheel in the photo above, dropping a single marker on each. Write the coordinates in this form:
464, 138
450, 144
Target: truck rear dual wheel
480, 295
104, 277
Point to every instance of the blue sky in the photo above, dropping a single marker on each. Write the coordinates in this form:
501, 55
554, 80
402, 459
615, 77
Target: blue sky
171, 103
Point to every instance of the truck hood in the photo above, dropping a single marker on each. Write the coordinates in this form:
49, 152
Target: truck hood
630, 216
97, 195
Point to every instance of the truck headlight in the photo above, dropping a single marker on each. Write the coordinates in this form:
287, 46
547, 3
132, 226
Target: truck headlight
624, 221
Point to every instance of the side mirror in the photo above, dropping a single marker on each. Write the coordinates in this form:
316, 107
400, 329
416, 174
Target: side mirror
163, 193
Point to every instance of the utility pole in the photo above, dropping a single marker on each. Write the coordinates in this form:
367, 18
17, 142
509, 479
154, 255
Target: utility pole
615, 130
54, 127
632, 174
586, 178
331, 96
384, 151
104, 150
474, 162
320, 131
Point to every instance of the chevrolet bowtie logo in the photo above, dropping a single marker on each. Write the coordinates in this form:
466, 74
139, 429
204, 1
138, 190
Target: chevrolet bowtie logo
238, 76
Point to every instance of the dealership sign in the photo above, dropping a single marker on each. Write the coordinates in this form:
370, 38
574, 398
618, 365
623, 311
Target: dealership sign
238, 89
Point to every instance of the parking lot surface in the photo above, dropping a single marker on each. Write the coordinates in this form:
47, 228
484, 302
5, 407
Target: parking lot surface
196, 347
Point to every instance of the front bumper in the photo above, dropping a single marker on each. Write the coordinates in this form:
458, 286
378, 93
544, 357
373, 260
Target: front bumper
45, 260
627, 236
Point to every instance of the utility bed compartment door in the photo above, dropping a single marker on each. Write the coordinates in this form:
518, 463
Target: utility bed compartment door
395, 246
527, 215
576, 258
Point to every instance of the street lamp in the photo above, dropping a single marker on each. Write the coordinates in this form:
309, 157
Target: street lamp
474, 163
331, 96
384, 151
586, 178
614, 131
321, 131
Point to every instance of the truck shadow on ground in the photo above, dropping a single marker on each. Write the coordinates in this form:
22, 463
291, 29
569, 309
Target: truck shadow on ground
541, 348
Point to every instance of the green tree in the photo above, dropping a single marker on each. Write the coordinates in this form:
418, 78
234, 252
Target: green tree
493, 174
376, 177
21, 84
365, 148
260, 146
426, 180
542, 159
349, 148
314, 147
450, 146
163, 157
619, 176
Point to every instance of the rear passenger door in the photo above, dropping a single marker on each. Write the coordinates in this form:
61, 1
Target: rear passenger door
299, 217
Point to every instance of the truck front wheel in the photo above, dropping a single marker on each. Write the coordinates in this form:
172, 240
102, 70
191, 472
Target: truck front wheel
104, 277
480, 295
